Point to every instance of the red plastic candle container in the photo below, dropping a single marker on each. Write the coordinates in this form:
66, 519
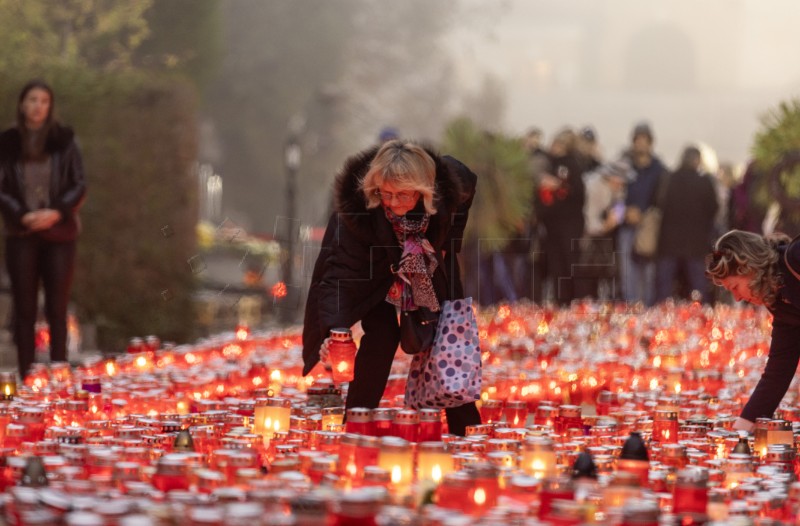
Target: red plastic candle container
405, 425
430, 425
516, 412
491, 411
342, 355
665, 426
569, 417
359, 421
382, 418
691, 491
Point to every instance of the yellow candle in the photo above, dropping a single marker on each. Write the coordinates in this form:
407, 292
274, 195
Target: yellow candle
434, 461
271, 416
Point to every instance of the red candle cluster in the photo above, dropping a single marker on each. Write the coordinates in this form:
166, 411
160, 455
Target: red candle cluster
229, 427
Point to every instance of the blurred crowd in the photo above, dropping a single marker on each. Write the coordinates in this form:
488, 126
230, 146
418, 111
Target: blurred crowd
629, 227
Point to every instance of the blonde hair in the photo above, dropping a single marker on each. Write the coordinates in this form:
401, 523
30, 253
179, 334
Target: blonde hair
405, 165
740, 253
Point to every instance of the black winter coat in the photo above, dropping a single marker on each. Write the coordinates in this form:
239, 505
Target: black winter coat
353, 271
67, 182
689, 207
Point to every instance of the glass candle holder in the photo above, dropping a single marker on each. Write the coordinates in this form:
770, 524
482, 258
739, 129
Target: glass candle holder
332, 416
516, 413
491, 411
538, 457
8, 385
434, 461
484, 487
397, 457
271, 416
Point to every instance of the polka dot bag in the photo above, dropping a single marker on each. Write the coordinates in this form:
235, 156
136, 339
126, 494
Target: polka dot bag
449, 374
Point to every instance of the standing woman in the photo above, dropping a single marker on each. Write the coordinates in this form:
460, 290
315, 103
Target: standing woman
41, 189
764, 271
396, 207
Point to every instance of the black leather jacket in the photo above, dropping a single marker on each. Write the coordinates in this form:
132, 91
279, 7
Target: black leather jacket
67, 183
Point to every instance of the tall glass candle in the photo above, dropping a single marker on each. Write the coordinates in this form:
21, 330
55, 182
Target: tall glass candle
434, 461
271, 415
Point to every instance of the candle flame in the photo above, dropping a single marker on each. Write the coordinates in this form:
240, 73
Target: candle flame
654, 384
516, 420
678, 388
538, 468
666, 434
397, 474
480, 497
258, 381
436, 473
8, 390
342, 366
141, 361
241, 333
721, 451
111, 368
351, 469
543, 328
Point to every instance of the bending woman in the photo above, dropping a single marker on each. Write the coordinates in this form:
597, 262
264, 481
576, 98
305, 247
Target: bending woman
764, 271
396, 206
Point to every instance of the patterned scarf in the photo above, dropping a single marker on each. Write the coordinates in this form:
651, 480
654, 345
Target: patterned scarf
413, 287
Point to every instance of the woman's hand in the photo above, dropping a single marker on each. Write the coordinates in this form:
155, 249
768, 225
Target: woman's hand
743, 425
325, 351
41, 219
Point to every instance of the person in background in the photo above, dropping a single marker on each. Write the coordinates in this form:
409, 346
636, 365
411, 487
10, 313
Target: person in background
764, 270
559, 208
603, 212
42, 186
397, 206
538, 164
689, 208
589, 146
638, 273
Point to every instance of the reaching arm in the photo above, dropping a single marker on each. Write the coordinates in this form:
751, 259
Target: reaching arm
784, 353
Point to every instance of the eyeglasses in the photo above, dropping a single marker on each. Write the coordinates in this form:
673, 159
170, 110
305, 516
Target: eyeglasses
402, 197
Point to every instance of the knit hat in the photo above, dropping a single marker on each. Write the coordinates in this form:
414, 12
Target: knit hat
619, 169
642, 128
388, 133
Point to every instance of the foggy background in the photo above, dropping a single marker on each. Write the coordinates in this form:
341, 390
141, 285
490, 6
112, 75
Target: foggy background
694, 70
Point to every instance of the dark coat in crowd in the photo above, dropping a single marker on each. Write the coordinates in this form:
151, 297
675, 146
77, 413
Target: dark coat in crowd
353, 271
689, 207
67, 183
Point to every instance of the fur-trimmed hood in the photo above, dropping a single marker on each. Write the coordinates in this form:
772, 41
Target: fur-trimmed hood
350, 203
58, 138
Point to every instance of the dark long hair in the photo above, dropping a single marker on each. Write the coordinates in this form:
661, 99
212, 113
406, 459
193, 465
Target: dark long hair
35, 84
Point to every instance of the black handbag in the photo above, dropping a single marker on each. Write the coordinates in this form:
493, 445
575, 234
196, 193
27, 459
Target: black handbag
417, 330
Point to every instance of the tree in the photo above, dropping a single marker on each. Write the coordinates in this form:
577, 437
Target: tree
100, 34
135, 116
776, 150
